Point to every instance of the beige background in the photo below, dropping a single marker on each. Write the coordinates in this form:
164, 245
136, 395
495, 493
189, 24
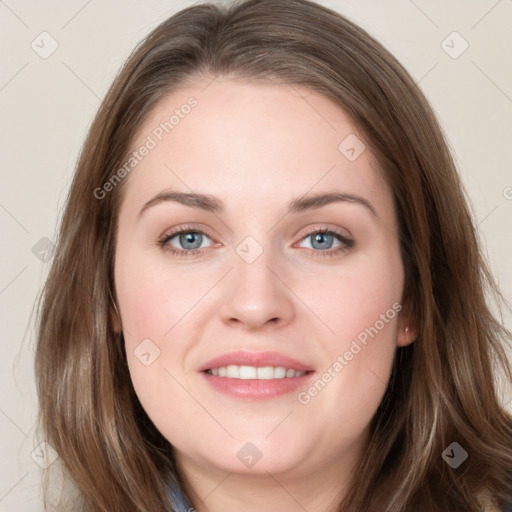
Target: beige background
48, 104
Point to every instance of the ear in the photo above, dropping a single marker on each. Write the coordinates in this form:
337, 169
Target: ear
407, 327
116, 321
115, 317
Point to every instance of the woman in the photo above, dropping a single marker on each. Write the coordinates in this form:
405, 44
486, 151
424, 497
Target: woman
268, 290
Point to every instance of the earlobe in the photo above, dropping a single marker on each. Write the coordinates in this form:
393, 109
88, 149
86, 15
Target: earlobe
407, 325
116, 322
115, 318
406, 335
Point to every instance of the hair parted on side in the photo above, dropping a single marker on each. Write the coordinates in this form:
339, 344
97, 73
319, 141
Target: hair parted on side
443, 387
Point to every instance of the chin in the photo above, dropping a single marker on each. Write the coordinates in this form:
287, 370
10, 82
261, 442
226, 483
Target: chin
253, 455
274, 462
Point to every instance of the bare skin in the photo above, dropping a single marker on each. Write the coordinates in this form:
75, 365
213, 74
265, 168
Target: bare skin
256, 148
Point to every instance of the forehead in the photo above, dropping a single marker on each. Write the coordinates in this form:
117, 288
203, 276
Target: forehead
252, 142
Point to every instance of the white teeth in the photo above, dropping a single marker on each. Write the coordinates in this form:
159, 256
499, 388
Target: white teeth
279, 372
248, 372
233, 371
266, 372
252, 372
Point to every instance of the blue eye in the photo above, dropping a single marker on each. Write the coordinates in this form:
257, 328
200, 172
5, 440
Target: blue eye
191, 242
322, 242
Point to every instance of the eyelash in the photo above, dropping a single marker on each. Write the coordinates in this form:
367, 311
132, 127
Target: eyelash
163, 243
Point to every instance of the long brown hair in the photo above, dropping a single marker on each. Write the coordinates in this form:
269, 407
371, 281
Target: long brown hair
443, 387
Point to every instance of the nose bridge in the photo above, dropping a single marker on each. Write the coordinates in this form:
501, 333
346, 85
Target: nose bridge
255, 295
253, 279
252, 266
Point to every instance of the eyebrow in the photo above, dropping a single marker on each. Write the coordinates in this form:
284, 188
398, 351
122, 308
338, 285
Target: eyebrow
212, 204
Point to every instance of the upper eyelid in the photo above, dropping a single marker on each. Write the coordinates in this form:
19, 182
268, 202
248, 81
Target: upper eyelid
187, 229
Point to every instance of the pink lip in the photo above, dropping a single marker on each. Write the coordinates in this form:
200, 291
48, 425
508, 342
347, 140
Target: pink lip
259, 359
256, 389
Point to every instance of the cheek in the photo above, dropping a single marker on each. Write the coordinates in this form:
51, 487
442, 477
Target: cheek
156, 303
359, 306
151, 303
152, 298
355, 297
362, 310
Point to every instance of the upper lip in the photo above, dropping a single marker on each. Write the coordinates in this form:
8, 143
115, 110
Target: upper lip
258, 359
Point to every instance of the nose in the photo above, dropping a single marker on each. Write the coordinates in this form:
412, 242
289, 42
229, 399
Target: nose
257, 295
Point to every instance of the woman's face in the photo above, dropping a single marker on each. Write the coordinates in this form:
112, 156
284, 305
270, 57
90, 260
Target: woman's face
288, 260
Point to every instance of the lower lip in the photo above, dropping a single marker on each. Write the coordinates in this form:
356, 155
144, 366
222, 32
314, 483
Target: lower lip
257, 389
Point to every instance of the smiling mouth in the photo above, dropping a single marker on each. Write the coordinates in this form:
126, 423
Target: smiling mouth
255, 372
